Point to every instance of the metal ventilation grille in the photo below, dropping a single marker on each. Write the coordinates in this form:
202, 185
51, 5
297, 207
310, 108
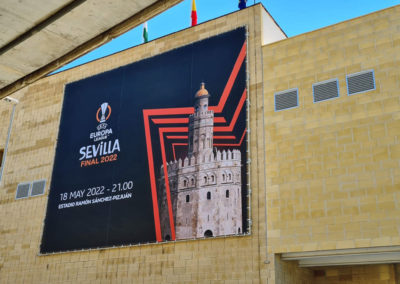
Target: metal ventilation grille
325, 90
286, 99
360, 82
38, 187
22, 190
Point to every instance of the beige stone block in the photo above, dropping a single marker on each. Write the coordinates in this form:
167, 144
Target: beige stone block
345, 244
395, 240
362, 243
389, 231
310, 247
394, 151
384, 241
274, 233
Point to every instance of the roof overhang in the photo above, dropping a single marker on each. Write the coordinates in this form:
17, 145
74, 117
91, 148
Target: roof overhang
356, 256
38, 37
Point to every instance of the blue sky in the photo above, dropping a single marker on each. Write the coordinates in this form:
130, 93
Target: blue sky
294, 17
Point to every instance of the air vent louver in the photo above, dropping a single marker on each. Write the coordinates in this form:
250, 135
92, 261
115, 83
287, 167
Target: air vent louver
22, 190
38, 187
286, 99
325, 90
360, 82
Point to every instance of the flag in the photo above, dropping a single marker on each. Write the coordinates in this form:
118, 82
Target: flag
145, 33
242, 4
194, 13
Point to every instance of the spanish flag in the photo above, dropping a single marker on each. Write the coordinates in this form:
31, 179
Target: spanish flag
194, 13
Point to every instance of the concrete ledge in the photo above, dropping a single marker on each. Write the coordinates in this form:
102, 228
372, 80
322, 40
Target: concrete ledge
357, 256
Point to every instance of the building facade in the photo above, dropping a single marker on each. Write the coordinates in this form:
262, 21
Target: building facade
324, 178
206, 186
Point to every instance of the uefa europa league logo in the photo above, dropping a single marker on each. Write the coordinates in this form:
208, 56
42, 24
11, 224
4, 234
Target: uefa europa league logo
103, 112
102, 115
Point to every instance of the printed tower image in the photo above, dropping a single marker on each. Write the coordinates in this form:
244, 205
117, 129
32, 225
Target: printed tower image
205, 187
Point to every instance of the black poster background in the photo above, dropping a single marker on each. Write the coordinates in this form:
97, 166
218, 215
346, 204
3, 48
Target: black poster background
169, 80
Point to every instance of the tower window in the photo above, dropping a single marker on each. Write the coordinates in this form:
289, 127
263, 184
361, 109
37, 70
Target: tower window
212, 178
208, 234
227, 193
192, 181
229, 177
185, 183
208, 195
205, 180
223, 177
187, 198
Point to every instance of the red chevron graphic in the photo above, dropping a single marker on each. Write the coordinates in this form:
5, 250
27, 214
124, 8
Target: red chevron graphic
185, 111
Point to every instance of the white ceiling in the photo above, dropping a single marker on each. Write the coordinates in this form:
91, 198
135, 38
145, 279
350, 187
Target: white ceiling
36, 33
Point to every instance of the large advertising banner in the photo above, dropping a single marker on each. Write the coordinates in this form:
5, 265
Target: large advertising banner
153, 151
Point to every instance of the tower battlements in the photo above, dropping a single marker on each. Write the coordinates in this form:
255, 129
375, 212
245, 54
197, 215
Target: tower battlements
223, 155
202, 114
